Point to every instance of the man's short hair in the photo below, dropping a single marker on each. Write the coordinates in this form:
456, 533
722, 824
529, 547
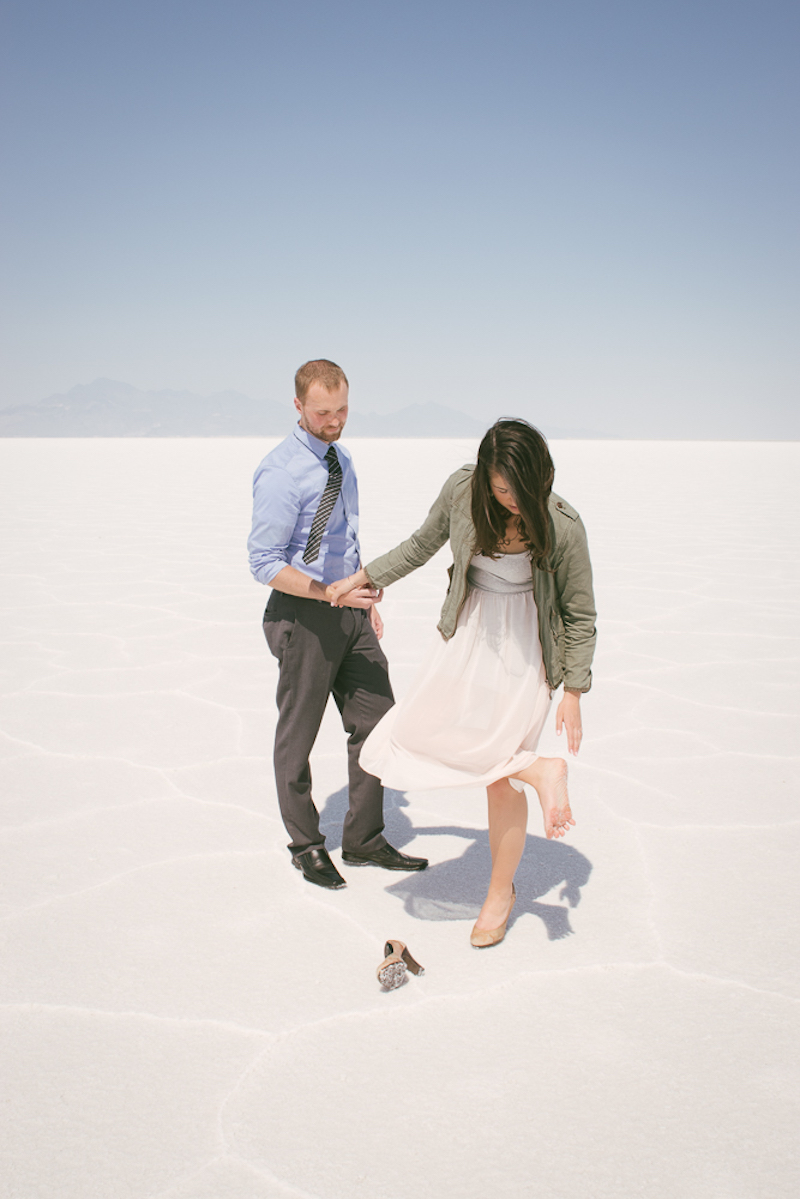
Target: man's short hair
320, 370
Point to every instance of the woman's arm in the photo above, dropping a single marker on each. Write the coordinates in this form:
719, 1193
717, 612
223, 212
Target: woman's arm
409, 554
420, 546
573, 580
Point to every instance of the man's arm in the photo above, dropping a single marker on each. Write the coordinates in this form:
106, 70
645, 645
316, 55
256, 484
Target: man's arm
294, 582
276, 505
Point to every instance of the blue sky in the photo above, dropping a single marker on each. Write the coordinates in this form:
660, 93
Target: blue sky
581, 212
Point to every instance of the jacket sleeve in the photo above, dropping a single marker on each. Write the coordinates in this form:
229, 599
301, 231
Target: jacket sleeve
419, 547
573, 579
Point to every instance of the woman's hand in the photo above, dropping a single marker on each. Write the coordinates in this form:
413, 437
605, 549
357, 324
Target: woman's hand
568, 715
355, 591
337, 591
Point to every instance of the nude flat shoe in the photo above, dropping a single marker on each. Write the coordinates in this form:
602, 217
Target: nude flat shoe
392, 970
482, 938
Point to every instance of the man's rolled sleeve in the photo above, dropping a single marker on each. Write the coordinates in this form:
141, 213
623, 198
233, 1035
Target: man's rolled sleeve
276, 505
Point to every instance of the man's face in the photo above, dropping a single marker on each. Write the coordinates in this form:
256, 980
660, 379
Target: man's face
323, 413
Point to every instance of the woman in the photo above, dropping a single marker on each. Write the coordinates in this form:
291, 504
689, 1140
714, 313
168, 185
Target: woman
518, 620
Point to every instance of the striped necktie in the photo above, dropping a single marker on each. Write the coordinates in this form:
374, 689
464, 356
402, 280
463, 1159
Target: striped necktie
326, 505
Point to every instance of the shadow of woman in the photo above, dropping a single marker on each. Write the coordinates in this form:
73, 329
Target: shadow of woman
455, 889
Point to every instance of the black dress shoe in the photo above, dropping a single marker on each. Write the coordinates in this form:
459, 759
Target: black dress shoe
318, 868
387, 856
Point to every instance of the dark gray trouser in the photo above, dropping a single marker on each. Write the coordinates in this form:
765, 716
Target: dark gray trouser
321, 650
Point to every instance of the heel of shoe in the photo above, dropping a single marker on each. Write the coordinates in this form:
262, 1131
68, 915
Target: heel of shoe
413, 965
483, 938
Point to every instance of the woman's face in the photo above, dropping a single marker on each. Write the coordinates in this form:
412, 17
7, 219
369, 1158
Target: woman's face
502, 492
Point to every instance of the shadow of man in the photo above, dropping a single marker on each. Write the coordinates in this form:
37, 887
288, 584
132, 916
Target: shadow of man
455, 889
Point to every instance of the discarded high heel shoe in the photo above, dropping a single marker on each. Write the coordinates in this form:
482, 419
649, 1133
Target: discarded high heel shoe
482, 938
392, 970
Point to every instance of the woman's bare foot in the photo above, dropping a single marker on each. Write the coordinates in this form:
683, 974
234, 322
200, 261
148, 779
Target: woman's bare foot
496, 910
553, 797
548, 777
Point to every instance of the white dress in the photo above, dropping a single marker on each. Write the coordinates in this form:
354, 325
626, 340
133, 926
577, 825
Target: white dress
475, 711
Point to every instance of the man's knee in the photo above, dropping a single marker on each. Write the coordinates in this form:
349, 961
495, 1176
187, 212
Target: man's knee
379, 707
361, 711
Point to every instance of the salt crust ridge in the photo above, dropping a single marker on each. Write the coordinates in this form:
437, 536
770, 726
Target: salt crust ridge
660, 908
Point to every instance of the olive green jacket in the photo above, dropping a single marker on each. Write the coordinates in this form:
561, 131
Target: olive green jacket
563, 591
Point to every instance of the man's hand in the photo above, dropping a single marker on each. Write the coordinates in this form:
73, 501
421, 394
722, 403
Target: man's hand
568, 715
376, 621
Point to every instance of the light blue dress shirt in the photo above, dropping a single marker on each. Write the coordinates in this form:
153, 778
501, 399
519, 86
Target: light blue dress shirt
287, 489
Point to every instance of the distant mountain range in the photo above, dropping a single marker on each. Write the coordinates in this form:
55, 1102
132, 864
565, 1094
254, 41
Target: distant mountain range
107, 408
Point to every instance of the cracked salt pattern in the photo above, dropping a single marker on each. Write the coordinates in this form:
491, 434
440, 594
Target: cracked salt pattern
184, 1018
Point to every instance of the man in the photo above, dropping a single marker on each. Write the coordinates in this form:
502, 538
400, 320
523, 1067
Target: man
305, 537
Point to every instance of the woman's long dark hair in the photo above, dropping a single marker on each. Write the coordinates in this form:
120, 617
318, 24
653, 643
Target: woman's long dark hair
518, 452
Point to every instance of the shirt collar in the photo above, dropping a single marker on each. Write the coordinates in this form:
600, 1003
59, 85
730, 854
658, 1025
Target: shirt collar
320, 448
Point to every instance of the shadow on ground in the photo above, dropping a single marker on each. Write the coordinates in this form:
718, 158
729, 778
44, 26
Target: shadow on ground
455, 889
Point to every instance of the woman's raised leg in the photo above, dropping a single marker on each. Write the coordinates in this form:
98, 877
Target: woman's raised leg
548, 777
508, 818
